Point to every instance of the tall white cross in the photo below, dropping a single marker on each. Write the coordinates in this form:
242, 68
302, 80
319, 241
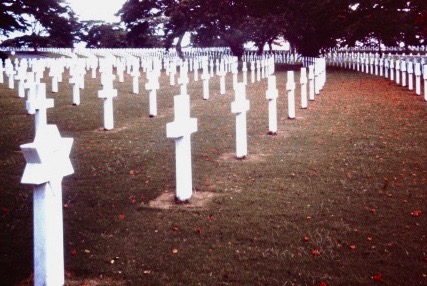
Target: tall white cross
410, 76
303, 82
271, 95
180, 130
239, 107
311, 82
418, 78
152, 86
108, 93
205, 77
290, 87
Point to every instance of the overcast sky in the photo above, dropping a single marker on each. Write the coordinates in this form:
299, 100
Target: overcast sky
97, 9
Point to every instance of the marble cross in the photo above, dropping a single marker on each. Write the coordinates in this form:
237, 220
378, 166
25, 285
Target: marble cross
180, 130
240, 107
271, 95
108, 93
290, 87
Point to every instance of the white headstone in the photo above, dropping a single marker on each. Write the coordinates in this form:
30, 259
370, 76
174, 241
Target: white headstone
240, 106
311, 82
47, 163
108, 93
303, 82
272, 94
290, 87
410, 75
425, 82
180, 130
417, 72
152, 86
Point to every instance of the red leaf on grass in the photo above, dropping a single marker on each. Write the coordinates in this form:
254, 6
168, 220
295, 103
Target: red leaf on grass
315, 252
199, 230
175, 228
416, 213
73, 252
353, 247
323, 284
306, 239
132, 172
377, 277
121, 216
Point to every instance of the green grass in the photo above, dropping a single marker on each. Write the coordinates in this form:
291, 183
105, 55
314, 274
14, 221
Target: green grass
350, 167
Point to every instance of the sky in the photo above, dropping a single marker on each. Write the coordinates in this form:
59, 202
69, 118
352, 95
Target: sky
96, 9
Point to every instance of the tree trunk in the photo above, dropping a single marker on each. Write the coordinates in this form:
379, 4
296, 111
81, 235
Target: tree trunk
270, 44
179, 48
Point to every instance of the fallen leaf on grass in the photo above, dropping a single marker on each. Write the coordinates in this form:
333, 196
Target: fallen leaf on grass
416, 213
352, 247
121, 216
377, 277
199, 230
306, 239
175, 228
73, 252
315, 252
323, 284
175, 250
132, 172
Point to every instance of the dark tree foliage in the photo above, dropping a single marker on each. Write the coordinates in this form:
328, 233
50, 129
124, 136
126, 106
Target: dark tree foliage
389, 22
98, 34
50, 22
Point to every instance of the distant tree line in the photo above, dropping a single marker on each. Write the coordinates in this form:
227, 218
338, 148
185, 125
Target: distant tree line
311, 26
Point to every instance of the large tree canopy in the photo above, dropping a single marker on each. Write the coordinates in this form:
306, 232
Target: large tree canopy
311, 26
47, 21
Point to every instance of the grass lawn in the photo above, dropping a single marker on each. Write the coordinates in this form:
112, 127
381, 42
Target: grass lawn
332, 198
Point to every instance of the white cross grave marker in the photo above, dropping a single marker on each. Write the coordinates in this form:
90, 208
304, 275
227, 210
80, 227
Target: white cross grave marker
108, 93
180, 130
398, 71
222, 74
152, 86
303, 82
75, 81
205, 77
183, 80
290, 87
418, 78
240, 106
47, 163
425, 82
40, 104
410, 76
272, 94
403, 69
311, 82
135, 80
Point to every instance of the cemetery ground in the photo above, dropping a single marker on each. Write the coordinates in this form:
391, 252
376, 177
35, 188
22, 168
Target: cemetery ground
337, 196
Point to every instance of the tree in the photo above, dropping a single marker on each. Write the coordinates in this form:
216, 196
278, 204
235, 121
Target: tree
40, 18
388, 22
98, 34
143, 21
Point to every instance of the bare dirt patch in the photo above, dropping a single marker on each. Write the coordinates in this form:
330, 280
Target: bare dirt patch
250, 158
167, 201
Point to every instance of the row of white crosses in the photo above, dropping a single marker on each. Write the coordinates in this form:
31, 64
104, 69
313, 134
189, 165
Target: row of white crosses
402, 69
